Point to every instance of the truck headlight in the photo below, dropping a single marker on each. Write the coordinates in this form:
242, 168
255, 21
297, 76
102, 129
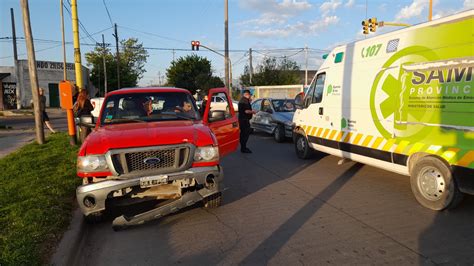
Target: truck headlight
206, 154
92, 163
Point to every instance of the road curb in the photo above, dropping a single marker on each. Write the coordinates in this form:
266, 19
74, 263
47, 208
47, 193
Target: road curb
71, 241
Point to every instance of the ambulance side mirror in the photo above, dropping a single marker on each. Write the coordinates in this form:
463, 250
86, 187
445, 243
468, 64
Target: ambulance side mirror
299, 101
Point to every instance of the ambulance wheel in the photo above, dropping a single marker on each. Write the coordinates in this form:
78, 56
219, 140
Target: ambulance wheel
302, 148
279, 133
213, 201
433, 184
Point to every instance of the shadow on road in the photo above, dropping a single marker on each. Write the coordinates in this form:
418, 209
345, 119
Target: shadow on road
447, 240
270, 246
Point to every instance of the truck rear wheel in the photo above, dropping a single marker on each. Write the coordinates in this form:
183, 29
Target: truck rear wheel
433, 185
213, 201
302, 148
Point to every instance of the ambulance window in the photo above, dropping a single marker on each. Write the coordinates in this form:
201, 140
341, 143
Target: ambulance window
309, 94
339, 57
319, 88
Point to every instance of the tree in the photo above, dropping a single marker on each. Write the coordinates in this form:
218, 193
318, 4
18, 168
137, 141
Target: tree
194, 73
132, 65
272, 72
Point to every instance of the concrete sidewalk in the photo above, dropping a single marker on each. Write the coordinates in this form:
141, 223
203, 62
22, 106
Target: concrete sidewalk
22, 129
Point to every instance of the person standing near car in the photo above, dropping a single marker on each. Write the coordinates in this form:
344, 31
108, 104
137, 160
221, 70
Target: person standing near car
245, 114
43, 110
83, 106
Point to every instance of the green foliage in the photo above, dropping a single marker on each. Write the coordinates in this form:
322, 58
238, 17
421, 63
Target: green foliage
272, 72
132, 65
194, 73
37, 186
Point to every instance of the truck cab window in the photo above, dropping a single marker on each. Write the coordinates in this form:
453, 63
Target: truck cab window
309, 95
319, 88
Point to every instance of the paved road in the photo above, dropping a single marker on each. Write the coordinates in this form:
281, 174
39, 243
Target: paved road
22, 131
280, 210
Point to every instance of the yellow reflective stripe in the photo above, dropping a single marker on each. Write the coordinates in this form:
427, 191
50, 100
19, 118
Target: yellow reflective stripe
318, 134
312, 131
416, 148
450, 154
339, 136
333, 133
367, 141
467, 159
388, 145
348, 137
377, 142
325, 133
403, 144
433, 149
357, 139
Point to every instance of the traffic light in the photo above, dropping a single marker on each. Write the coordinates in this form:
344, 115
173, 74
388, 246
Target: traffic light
373, 24
195, 44
365, 26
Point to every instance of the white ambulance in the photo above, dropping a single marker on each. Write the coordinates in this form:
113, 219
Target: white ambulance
402, 101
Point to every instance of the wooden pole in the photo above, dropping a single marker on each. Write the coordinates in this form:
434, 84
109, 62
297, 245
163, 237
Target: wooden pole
17, 66
32, 69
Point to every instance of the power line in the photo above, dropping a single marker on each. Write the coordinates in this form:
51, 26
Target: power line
80, 24
108, 13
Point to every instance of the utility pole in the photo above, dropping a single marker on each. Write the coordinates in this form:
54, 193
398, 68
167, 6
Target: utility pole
250, 65
32, 69
173, 54
77, 49
63, 40
105, 67
306, 65
430, 15
118, 55
15, 59
226, 44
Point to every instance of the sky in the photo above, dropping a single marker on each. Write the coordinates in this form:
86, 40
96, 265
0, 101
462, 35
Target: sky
272, 28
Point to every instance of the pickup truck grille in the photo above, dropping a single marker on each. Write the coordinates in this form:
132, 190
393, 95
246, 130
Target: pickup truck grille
153, 160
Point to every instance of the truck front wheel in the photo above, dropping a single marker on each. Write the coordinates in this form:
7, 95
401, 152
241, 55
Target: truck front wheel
433, 185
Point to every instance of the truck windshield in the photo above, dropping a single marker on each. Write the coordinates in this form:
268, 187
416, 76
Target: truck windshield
284, 105
148, 107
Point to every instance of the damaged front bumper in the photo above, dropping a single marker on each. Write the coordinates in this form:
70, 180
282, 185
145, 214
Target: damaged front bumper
92, 197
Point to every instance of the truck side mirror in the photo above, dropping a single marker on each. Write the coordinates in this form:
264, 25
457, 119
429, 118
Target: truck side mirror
216, 115
87, 121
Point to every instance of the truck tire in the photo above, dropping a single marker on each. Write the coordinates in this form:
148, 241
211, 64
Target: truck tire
94, 218
302, 148
279, 133
433, 184
213, 201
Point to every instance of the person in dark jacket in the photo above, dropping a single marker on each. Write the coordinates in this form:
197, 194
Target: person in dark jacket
83, 106
43, 110
245, 114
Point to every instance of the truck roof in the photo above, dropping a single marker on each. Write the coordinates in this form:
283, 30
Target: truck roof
147, 89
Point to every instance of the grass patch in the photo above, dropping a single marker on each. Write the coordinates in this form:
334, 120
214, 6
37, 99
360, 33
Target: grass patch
37, 190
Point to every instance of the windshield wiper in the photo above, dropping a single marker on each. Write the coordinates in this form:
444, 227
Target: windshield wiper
179, 115
123, 120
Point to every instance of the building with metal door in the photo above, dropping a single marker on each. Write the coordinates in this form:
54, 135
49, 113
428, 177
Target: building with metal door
49, 76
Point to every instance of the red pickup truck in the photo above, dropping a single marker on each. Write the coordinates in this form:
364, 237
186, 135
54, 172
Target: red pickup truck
154, 144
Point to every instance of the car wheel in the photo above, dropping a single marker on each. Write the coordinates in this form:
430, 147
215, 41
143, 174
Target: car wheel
302, 148
433, 184
213, 201
279, 133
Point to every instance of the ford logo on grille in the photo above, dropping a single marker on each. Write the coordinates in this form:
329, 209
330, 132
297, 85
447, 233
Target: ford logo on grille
152, 160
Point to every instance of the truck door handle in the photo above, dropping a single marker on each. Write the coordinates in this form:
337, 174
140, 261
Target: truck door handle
321, 111
235, 124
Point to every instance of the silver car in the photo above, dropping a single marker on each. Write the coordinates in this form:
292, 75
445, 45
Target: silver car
274, 116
